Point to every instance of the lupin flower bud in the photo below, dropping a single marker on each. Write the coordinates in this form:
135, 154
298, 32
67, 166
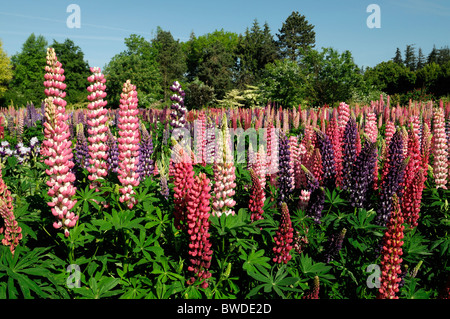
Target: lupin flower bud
98, 131
284, 237
128, 143
313, 293
113, 153
197, 220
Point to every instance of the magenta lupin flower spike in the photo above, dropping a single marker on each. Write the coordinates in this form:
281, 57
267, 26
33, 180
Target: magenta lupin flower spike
284, 237
197, 219
128, 143
391, 254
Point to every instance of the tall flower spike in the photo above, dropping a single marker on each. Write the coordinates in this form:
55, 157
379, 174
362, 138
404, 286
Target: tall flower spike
224, 175
285, 177
59, 159
178, 114
316, 196
313, 293
327, 153
197, 219
256, 202
391, 254
348, 152
98, 131
128, 143
54, 86
284, 237
183, 178
334, 245
113, 153
10, 227
361, 179
200, 138
81, 148
393, 176
440, 151
57, 147
146, 163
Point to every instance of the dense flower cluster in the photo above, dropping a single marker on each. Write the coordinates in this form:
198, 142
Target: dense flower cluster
183, 178
328, 164
128, 143
391, 254
285, 176
414, 181
440, 149
200, 138
361, 178
57, 147
348, 152
197, 219
9, 226
334, 245
224, 176
284, 237
59, 155
113, 153
342, 118
178, 114
22, 153
97, 130
81, 148
54, 86
392, 179
316, 196
313, 293
256, 202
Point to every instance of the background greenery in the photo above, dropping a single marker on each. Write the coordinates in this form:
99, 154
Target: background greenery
285, 68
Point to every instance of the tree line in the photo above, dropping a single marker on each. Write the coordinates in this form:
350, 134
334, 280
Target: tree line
231, 69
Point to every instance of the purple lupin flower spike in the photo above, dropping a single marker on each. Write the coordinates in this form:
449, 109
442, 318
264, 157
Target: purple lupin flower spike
113, 153
361, 180
327, 153
285, 177
334, 245
392, 181
317, 196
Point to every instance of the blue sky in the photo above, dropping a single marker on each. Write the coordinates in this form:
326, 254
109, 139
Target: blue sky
338, 24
